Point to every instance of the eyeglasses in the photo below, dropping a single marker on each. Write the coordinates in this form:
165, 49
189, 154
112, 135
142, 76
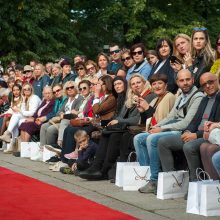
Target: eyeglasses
209, 82
71, 87
199, 29
114, 51
126, 58
140, 52
58, 90
81, 68
82, 88
27, 89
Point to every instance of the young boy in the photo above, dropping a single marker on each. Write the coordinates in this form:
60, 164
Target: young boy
86, 150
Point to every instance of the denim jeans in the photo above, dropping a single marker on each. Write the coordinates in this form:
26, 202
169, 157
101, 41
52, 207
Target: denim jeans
216, 162
146, 148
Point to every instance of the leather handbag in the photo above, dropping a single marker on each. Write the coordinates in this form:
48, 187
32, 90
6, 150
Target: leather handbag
80, 122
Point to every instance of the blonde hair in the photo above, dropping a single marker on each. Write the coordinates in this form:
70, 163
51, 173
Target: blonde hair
25, 99
70, 83
80, 133
175, 51
207, 51
130, 93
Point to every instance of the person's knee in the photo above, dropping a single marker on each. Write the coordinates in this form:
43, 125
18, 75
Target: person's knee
188, 148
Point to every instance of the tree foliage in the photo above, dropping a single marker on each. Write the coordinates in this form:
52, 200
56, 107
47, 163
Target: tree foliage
46, 29
35, 29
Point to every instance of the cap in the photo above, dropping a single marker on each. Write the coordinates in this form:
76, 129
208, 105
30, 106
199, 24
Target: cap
27, 68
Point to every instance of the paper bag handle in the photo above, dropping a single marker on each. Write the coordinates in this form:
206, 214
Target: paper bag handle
204, 174
129, 156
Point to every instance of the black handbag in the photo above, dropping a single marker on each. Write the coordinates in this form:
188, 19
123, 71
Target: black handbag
116, 128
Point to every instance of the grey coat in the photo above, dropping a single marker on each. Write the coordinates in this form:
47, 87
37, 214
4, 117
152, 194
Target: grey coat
75, 105
176, 121
133, 115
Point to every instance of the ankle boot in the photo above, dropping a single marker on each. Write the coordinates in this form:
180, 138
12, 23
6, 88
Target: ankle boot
9, 149
6, 137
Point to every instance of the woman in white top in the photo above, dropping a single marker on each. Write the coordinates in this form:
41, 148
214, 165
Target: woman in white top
29, 105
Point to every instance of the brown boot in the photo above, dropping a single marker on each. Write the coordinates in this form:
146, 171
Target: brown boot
6, 137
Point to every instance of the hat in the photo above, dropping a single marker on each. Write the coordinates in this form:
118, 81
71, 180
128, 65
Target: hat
27, 68
64, 62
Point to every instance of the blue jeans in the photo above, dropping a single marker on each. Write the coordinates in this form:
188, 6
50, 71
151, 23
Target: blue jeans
216, 162
146, 149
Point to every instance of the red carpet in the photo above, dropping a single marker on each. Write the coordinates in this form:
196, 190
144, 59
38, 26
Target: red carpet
25, 198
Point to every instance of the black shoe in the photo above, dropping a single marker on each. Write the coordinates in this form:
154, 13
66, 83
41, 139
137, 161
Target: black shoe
112, 180
53, 159
17, 154
91, 175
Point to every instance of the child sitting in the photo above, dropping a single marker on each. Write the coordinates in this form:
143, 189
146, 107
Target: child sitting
81, 158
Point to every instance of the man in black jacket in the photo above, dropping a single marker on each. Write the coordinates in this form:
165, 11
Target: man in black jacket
192, 137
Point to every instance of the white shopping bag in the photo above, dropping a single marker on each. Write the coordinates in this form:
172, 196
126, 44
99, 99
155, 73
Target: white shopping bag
26, 149
47, 154
135, 177
36, 151
172, 184
119, 171
210, 199
204, 198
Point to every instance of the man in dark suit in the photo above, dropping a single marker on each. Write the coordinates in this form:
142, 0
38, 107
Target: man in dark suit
191, 139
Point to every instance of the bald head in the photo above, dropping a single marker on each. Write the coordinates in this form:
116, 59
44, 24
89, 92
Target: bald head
209, 82
184, 72
207, 76
185, 80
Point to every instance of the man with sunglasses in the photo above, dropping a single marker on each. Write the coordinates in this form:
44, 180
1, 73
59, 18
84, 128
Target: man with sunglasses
192, 137
115, 64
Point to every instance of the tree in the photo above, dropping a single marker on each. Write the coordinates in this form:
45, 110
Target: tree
36, 29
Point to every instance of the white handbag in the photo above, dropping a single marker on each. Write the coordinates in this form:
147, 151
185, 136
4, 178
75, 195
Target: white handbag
214, 136
172, 184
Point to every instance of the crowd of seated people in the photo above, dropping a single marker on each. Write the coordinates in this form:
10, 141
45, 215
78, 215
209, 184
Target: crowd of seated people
94, 113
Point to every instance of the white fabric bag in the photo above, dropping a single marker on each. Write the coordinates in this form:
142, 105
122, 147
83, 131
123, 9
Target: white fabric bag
119, 170
214, 136
26, 149
47, 154
135, 177
172, 184
36, 151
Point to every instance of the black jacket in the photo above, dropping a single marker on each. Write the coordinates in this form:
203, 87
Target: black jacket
214, 115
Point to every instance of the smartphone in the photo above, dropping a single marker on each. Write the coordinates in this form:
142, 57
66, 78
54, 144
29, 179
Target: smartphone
174, 59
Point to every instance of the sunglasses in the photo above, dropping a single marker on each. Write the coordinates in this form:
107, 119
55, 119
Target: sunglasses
81, 68
91, 68
27, 89
82, 88
125, 59
199, 29
209, 82
71, 87
58, 90
114, 51
140, 52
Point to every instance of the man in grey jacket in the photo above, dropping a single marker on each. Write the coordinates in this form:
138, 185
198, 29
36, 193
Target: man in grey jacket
178, 119
192, 137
